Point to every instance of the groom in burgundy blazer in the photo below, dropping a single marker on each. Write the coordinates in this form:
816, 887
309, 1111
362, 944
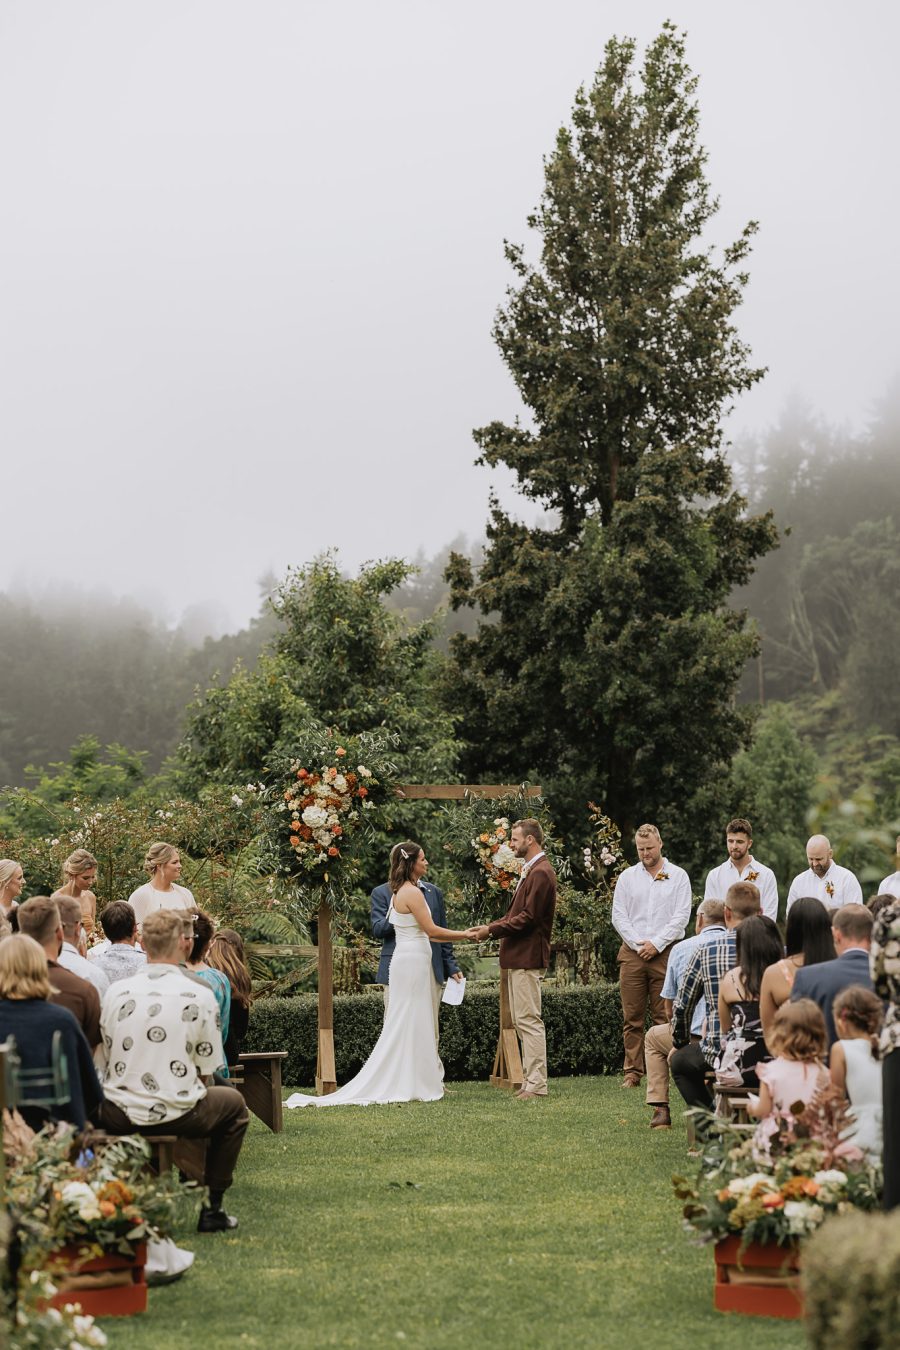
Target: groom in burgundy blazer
524, 934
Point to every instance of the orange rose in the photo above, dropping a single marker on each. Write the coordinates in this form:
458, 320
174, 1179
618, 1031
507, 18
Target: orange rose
295, 840
301, 773
107, 1208
773, 1200
501, 833
337, 829
811, 1187
363, 792
287, 795
334, 852
504, 883
340, 750
485, 838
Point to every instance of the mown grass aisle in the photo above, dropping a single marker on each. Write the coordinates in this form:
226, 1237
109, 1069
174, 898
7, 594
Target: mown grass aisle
475, 1221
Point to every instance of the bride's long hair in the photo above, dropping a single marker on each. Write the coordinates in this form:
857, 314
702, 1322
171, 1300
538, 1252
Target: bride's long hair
403, 860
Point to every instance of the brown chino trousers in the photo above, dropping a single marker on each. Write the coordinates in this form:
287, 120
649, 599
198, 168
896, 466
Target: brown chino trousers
221, 1115
640, 983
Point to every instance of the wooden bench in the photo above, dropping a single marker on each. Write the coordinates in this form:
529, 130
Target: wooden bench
733, 1103
258, 1077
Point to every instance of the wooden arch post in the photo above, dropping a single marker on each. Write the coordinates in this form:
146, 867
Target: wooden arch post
507, 1070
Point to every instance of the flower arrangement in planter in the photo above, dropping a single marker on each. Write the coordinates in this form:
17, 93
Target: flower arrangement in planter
758, 1204
83, 1219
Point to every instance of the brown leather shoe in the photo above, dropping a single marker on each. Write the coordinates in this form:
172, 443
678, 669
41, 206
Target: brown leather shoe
525, 1096
661, 1119
631, 1082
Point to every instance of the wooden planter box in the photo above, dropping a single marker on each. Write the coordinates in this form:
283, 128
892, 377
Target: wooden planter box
110, 1285
762, 1281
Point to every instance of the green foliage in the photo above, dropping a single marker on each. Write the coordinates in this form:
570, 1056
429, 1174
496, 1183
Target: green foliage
584, 1031
77, 666
851, 1282
607, 656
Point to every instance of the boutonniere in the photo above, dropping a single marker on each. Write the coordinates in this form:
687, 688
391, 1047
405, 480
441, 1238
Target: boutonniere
829, 888
661, 876
751, 875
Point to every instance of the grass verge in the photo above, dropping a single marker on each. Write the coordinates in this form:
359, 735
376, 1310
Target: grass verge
478, 1220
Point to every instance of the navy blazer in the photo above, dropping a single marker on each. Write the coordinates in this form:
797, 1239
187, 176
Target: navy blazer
442, 959
825, 980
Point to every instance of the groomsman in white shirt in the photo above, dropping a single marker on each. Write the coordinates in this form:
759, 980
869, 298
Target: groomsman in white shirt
824, 880
891, 884
742, 866
651, 909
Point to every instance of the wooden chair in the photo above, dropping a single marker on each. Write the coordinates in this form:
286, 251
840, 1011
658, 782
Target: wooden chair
733, 1103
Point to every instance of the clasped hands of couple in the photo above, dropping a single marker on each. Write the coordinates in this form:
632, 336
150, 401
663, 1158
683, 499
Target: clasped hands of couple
478, 933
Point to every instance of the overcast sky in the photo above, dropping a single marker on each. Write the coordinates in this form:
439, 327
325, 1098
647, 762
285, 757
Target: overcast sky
250, 253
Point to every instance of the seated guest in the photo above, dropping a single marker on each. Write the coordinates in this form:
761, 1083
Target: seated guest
797, 1073
855, 1066
27, 1015
708, 966
226, 953
70, 956
120, 958
203, 934
658, 1039
39, 918
851, 929
807, 940
758, 945
12, 879
161, 1040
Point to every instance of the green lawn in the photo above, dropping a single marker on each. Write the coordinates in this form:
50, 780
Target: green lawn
478, 1220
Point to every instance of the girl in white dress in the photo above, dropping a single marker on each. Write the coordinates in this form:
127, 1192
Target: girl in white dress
855, 1068
404, 1065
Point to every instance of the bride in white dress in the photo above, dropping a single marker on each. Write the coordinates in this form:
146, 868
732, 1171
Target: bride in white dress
404, 1065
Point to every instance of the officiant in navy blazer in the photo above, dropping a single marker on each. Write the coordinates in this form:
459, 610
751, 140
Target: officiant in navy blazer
443, 962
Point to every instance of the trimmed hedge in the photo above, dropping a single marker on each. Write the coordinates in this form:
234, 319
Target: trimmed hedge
584, 1031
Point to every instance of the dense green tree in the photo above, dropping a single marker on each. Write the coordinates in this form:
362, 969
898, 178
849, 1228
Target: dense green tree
607, 656
341, 657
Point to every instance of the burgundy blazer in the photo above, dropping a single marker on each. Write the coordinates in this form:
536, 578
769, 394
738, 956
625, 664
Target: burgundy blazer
524, 931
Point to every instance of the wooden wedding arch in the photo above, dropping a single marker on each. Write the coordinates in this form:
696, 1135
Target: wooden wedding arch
507, 1070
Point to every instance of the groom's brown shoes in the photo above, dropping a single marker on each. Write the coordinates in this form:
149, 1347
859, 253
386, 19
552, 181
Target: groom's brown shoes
525, 1096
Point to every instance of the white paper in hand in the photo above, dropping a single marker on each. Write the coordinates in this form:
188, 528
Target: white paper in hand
453, 991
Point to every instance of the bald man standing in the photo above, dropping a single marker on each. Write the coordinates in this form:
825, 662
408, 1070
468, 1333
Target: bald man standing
824, 880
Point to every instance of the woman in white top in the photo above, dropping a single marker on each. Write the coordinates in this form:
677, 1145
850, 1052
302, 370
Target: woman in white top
161, 891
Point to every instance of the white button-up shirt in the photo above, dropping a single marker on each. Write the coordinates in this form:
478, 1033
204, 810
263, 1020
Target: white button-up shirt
652, 909
890, 885
720, 878
71, 959
838, 887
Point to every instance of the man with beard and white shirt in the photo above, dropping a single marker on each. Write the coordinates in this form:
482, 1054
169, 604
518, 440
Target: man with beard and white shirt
824, 880
891, 884
742, 866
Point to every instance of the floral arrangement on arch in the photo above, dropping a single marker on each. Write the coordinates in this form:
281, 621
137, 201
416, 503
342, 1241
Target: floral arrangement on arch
322, 803
499, 863
783, 1192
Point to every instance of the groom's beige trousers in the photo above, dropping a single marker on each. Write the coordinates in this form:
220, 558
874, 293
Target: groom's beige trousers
436, 992
525, 1010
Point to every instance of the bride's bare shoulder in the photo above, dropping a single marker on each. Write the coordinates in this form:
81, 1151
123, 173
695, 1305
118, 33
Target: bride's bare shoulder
406, 893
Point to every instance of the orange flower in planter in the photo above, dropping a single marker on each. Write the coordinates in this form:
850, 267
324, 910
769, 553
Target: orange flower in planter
774, 1200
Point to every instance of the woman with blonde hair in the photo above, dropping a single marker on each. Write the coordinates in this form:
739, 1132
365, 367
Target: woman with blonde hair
226, 953
12, 879
79, 878
163, 862
33, 1022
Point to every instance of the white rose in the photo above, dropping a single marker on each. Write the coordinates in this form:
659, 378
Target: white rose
831, 1177
741, 1184
340, 783
802, 1215
363, 771
315, 817
236, 800
505, 858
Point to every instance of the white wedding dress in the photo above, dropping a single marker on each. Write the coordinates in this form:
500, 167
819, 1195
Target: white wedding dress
404, 1065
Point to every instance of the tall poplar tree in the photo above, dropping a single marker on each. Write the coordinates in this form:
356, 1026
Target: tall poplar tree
607, 656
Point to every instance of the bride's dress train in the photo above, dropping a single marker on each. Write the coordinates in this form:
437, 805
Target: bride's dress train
404, 1065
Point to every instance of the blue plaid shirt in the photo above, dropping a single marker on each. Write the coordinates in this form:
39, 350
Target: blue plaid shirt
702, 978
